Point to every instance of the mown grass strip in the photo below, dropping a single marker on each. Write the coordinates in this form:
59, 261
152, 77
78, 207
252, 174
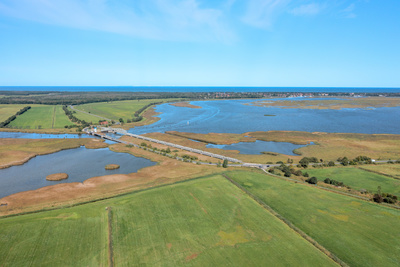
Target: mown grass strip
288, 223
110, 237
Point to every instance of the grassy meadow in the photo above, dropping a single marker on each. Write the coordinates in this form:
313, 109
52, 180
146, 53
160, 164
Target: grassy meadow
86, 117
7, 110
115, 110
42, 117
358, 179
203, 222
68, 237
386, 169
360, 233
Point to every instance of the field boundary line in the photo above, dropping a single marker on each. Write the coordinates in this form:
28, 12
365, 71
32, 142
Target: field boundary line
110, 237
54, 117
387, 175
288, 223
109, 197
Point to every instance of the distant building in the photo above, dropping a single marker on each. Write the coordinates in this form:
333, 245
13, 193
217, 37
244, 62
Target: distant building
104, 123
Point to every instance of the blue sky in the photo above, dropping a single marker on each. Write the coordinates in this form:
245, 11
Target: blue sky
333, 43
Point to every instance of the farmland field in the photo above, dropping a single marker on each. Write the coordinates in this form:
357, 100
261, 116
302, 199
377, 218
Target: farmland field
387, 169
7, 110
202, 222
358, 232
68, 237
358, 179
44, 117
117, 109
86, 117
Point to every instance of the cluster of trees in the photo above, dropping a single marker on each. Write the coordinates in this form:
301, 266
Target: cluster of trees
70, 115
333, 182
307, 160
188, 157
304, 162
13, 117
287, 170
358, 160
384, 197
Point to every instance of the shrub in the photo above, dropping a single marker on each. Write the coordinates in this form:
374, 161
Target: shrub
312, 180
377, 198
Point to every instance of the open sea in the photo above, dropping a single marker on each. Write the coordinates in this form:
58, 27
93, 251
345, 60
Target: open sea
200, 89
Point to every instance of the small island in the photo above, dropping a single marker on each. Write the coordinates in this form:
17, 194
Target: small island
184, 105
112, 167
56, 177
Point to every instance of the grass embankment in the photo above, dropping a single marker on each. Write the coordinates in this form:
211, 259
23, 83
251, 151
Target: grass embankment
184, 105
348, 102
201, 222
42, 117
360, 233
358, 179
18, 151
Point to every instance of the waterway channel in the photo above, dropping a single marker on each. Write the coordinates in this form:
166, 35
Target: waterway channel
80, 164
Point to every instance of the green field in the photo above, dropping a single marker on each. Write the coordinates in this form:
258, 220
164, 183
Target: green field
358, 232
117, 109
42, 117
86, 117
386, 169
7, 110
203, 222
358, 179
69, 237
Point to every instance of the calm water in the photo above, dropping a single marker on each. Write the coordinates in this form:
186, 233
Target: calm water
231, 116
80, 164
197, 89
257, 147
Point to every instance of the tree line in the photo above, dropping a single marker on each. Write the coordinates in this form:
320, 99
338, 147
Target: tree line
13, 117
71, 117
